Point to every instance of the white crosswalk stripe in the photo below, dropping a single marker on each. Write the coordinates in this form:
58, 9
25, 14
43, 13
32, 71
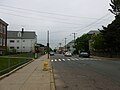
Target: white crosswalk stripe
51, 60
74, 59
55, 59
68, 59
59, 59
63, 59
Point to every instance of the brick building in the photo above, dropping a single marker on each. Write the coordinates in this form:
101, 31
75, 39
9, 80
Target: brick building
3, 36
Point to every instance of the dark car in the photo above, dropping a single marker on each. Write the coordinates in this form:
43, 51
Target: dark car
84, 54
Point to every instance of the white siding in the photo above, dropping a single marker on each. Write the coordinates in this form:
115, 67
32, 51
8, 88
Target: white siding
26, 46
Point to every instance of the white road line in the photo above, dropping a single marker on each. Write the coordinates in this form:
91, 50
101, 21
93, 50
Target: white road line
55, 59
72, 59
63, 59
76, 59
51, 60
59, 59
68, 59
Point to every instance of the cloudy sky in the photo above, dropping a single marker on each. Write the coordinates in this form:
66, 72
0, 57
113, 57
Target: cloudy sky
60, 17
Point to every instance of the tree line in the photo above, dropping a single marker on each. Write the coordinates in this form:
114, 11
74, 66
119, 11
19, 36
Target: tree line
107, 40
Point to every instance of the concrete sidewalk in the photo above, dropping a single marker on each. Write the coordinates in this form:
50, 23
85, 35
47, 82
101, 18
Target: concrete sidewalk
30, 77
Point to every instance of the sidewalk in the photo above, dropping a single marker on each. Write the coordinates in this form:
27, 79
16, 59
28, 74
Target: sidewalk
30, 77
107, 58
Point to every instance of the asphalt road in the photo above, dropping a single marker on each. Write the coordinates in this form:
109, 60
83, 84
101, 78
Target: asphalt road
74, 73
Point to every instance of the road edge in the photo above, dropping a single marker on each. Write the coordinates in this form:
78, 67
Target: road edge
52, 79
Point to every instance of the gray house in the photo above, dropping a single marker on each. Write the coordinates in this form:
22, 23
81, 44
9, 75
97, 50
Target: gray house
22, 41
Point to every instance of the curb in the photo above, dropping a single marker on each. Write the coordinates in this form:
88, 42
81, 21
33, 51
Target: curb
107, 58
52, 80
14, 70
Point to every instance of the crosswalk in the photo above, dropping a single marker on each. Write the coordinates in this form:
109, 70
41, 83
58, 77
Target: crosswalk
72, 59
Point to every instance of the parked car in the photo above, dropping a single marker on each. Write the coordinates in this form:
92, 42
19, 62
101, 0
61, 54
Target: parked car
51, 53
84, 54
68, 54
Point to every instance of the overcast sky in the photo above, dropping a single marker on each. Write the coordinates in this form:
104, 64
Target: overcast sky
60, 17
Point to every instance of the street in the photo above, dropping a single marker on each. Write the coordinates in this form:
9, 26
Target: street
75, 73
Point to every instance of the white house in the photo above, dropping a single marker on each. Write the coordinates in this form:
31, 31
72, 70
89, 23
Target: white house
22, 41
70, 45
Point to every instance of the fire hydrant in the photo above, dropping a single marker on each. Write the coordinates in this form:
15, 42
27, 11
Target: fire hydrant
45, 66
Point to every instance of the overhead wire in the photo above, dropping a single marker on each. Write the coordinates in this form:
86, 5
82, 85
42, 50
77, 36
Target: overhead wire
39, 18
44, 12
90, 24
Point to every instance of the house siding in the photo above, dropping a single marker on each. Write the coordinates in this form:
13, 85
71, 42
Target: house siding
22, 44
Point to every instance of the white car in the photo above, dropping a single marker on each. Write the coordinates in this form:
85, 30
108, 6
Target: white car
68, 54
51, 53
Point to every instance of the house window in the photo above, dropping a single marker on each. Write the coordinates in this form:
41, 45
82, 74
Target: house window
17, 41
3, 42
23, 40
11, 41
11, 47
17, 47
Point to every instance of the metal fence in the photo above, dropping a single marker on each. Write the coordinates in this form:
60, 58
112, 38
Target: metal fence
9, 64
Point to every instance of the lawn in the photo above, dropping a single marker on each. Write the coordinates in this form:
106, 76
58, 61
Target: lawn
9, 63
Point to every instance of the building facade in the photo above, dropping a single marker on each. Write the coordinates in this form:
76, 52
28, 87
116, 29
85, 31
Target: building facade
3, 36
70, 46
21, 41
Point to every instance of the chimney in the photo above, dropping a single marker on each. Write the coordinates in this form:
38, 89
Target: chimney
22, 30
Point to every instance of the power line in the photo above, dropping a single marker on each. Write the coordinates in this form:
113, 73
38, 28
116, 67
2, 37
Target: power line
44, 12
91, 23
40, 15
38, 18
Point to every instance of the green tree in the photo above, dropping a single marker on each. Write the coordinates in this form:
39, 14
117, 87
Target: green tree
115, 4
97, 42
111, 33
82, 43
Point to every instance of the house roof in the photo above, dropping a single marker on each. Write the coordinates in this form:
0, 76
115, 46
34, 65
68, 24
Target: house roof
93, 32
25, 35
3, 22
70, 43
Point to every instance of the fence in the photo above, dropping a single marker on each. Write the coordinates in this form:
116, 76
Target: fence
8, 64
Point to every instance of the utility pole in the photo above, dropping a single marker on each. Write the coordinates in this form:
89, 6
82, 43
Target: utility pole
65, 44
74, 37
60, 44
48, 43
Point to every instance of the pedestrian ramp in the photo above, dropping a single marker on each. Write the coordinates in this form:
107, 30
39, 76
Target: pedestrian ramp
72, 59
